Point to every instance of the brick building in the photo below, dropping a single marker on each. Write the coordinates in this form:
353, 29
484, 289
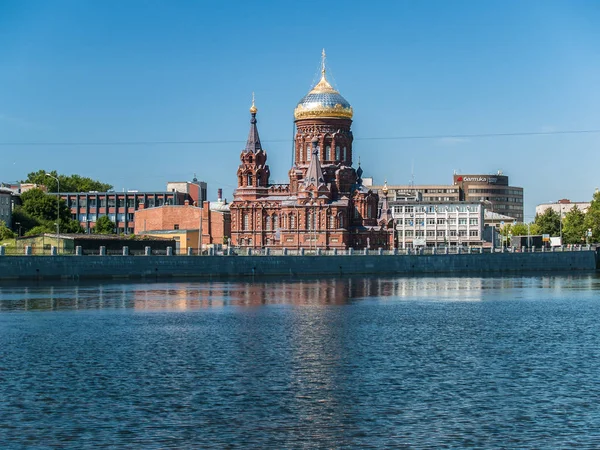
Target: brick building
120, 207
325, 204
182, 223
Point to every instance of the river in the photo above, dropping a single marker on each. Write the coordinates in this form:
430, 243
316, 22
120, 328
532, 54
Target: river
361, 362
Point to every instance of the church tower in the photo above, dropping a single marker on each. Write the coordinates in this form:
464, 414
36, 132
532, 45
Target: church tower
325, 115
253, 172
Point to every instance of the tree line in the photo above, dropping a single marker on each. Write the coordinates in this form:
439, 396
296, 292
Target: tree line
39, 212
573, 225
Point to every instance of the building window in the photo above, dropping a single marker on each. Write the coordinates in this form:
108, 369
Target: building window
430, 221
408, 233
430, 233
473, 233
249, 179
462, 232
473, 221
246, 221
275, 221
337, 152
441, 221
462, 221
332, 221
344, 154
112, 202
176, 226
440, 234
308, 152
268, 223
292, 221
328, 151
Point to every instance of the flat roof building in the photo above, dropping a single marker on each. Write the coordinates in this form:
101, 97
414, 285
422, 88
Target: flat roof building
562, 206
493, 190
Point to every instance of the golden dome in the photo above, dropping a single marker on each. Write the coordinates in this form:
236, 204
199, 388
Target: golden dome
323, 101
253, 109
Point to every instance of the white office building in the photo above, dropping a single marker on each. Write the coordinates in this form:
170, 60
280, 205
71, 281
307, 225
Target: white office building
437, 224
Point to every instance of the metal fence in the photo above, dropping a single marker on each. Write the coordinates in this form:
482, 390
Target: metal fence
125, 251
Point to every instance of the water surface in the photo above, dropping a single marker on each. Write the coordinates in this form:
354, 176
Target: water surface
337, 363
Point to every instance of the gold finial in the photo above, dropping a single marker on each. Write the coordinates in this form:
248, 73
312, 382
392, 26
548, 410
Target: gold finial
323, 63
253, 109
385, 188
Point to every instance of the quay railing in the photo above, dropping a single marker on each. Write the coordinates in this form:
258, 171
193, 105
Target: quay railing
240, 251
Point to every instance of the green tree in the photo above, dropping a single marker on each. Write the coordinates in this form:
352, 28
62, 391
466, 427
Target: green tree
39, 211
104, 226
573, 226
68, 183
548, 222
5, 232
592, 218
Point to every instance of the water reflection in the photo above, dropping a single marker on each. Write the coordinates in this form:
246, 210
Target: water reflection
183, 296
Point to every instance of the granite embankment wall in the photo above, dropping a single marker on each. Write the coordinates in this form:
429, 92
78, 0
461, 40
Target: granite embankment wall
207, 267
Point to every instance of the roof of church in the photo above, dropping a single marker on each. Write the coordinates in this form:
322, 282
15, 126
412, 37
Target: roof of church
323, 101
314, 174
253, 143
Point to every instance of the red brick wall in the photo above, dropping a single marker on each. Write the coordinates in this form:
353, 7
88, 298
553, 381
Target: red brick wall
166, 217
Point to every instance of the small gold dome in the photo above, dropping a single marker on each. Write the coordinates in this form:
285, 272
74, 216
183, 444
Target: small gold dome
253, 108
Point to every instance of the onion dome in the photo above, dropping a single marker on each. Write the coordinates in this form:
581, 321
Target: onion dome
323, 101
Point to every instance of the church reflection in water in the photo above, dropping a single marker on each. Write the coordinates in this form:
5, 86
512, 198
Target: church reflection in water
188, 295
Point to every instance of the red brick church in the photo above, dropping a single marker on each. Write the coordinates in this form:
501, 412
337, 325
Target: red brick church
325, 204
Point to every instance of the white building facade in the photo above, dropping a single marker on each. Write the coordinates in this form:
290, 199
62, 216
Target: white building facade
437, 224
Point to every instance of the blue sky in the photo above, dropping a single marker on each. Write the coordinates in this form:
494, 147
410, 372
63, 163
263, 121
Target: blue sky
111, 71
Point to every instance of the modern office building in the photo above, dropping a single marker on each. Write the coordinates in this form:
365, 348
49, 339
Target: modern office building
493, 190
120, 207
437, 224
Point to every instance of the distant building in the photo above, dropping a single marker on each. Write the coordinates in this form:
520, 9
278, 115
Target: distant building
120, 207
195, 189
562, 206
6, 202
493, 190
437, 224
182, 223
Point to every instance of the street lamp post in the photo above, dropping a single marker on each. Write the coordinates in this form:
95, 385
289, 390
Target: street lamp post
57, 209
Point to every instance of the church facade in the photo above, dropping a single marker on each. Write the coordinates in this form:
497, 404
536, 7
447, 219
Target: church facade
325, 204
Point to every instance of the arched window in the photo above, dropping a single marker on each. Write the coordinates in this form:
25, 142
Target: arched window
292, 221
332, 221
344, 154
327, 152
268, 223
341, 220
337, 152
249, 179
246, 221
275, 222
309, 220
308, 152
